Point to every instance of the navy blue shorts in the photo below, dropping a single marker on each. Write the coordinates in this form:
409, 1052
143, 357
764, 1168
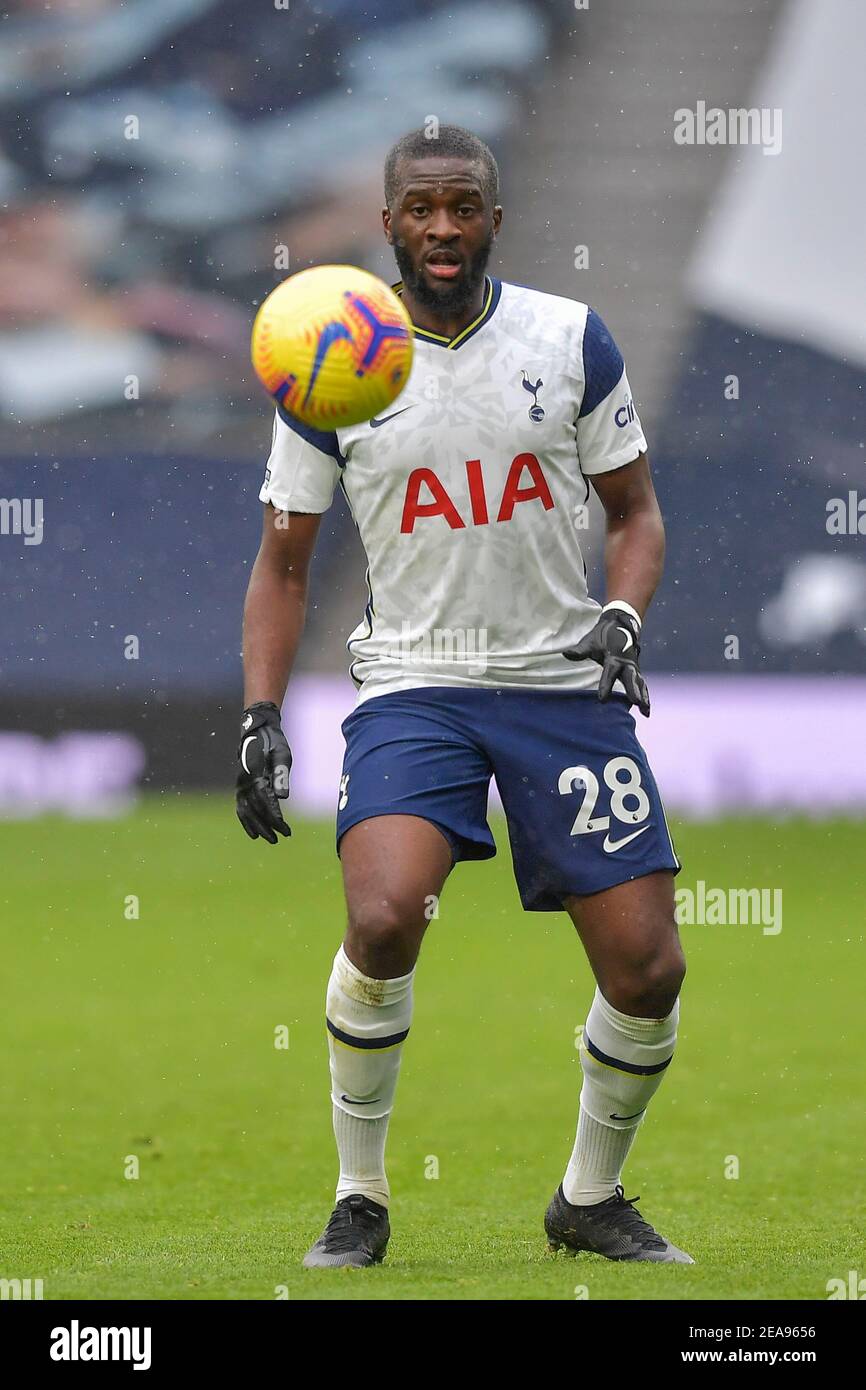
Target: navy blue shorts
581, 803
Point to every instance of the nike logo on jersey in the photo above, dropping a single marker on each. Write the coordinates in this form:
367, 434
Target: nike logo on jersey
611, 846
374, 424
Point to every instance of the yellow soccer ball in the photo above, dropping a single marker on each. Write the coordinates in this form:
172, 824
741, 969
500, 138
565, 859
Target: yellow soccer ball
333, 345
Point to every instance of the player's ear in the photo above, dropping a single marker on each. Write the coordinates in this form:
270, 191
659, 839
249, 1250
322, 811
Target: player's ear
386, 223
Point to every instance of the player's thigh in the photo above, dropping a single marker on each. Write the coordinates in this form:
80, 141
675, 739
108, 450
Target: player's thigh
394, 869
583, 809
630, 936
413, 799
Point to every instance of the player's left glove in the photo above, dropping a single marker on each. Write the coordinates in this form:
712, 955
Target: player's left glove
613, 644
266, 760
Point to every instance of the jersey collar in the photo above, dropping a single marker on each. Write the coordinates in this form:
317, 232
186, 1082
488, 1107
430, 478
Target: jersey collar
493, 288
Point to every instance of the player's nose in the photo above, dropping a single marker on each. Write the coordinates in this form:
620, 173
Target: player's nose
441, 229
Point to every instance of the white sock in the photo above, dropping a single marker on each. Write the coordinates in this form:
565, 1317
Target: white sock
623, 1060
361, 1146
367, 1025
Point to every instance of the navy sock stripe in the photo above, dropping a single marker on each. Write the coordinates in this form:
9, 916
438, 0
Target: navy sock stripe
368, 1044
633, 1067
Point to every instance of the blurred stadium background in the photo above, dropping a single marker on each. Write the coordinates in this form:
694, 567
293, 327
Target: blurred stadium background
262, 128
150, 949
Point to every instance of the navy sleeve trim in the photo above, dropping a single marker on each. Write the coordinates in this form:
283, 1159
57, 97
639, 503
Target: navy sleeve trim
323, 440
602, 363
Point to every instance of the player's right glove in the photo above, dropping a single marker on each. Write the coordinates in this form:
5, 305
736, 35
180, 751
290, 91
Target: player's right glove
263, 779
613, 644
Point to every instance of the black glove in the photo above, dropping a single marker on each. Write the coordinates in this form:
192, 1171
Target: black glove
266, 760
613, 644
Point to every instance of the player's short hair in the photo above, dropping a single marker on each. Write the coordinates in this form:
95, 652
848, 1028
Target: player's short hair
448, 140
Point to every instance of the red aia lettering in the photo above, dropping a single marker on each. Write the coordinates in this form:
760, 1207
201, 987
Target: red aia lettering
476, 492
442, 504
513, 493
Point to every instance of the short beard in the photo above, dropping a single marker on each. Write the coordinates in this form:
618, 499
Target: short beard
449, 299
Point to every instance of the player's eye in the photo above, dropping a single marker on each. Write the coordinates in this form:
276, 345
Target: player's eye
419, 209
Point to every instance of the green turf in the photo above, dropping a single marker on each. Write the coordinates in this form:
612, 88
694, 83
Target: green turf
155, 1038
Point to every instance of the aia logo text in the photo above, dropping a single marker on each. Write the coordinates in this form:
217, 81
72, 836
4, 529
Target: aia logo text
525, 483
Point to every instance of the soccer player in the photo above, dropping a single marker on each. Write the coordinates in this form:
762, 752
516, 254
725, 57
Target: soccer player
480, 654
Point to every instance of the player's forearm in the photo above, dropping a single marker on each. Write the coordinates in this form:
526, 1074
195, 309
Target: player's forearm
274, 614
634, 556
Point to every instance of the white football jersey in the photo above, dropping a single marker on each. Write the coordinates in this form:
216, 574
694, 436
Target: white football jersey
469, 495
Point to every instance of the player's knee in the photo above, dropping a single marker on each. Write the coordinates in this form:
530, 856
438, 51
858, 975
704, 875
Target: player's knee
648, 987
668, 979
382, 938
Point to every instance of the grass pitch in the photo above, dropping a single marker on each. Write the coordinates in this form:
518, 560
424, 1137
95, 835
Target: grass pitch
148, 1044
